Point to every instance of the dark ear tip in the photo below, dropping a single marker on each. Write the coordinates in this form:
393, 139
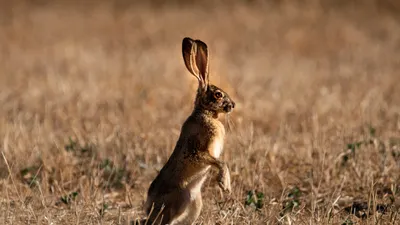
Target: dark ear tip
187, 44
201, 43
187, 40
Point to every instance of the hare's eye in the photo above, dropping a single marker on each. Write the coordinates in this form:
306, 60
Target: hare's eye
218, 95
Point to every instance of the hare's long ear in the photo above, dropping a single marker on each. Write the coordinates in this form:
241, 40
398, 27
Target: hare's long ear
195, 56
202, 60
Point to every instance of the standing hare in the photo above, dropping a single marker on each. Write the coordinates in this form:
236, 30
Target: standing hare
174, 197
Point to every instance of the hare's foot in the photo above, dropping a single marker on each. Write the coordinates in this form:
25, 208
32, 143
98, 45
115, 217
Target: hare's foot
224, 179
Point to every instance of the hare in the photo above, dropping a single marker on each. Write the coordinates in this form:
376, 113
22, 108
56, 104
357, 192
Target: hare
174, 197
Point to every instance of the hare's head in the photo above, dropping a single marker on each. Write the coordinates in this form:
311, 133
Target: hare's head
209, 97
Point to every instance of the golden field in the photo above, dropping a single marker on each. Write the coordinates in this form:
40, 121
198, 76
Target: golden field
93, 95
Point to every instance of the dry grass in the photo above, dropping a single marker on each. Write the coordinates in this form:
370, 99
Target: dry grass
93, 96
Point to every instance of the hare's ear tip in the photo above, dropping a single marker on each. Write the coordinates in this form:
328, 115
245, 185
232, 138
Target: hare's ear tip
200, 42
187, 39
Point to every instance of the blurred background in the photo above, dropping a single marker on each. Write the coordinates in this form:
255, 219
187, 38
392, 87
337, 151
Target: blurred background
309, 77
279, 57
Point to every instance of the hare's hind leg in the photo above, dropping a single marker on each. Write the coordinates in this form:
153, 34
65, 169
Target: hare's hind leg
161, 210
170, 207
194, 210
191, 213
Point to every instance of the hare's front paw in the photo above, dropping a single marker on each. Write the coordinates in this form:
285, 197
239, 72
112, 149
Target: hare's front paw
224, 180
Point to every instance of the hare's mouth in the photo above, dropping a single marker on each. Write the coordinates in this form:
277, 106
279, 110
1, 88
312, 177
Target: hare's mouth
229, 107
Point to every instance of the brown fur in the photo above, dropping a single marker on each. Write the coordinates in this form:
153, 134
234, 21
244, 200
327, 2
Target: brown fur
174, 197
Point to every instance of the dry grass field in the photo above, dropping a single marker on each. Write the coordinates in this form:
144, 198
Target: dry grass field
93, 94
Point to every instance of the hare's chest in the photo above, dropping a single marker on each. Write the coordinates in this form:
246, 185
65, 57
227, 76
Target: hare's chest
217, 140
